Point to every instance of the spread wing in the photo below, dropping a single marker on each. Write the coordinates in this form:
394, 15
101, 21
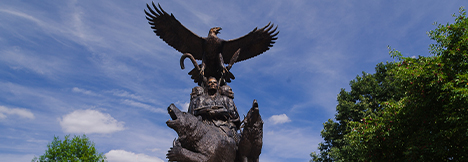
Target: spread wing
169, 29
252, 44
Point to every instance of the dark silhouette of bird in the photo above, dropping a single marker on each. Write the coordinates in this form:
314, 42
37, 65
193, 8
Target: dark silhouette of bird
213, 51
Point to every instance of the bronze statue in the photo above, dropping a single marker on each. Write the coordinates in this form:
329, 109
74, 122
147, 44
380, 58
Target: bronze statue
227, 91
216, 109
202, 142
250, 145
213, 51
198, 142
208, 132
211, 129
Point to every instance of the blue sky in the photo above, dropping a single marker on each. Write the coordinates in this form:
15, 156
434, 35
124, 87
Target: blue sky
96, 67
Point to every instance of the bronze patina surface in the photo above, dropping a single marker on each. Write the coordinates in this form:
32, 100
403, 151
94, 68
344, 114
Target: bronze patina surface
213, 51
211, 129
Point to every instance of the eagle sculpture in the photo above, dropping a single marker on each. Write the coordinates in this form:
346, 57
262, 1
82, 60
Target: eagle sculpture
213, 51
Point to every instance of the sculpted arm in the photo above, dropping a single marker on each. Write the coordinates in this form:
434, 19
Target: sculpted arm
192, 107
233, 114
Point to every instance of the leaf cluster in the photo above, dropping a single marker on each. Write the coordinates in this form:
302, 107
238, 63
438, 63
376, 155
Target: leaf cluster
430, 123
367, 92
78, 149
415, 110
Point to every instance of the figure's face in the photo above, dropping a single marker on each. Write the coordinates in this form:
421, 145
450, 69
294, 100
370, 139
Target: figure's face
212, 83
197, 91
228, 91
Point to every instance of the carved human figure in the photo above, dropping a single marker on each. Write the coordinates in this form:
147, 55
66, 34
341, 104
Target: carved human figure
209, 131
196, 92
216, 109
198, 141
227, 91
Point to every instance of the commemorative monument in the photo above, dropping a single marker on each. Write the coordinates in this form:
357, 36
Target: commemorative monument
211, 130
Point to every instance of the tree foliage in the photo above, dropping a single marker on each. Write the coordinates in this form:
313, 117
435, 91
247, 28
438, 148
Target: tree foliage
78, 149
430, 120
367, 92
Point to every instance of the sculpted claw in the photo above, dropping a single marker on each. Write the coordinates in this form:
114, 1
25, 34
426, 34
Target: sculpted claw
209, 131
170, 30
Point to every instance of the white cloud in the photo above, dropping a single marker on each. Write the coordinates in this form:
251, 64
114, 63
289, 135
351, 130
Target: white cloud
90, 121
24, 113
279, 119
183, 105
125, 156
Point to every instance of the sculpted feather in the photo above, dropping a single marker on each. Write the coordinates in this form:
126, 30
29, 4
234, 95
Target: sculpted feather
213, 51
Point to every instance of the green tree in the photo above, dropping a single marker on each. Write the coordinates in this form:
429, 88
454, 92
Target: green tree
430, 123
367, 92
78, 149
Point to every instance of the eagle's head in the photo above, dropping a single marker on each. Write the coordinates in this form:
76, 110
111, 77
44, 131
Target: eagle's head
215, 30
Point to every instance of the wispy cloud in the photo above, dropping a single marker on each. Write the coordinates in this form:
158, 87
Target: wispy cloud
21, 59
22, 113
144, 106
99, 62
22, 15
126, 94
84, 91
90, 121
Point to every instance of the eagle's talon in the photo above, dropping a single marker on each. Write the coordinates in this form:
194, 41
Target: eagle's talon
169, 29
225, 70
202, 72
